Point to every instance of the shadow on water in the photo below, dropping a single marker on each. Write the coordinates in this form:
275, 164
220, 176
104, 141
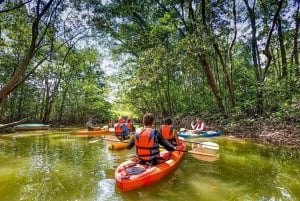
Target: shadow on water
58, 165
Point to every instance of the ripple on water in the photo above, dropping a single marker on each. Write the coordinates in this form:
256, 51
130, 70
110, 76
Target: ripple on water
106, 190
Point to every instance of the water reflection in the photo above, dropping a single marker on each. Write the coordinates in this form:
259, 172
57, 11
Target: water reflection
58, 165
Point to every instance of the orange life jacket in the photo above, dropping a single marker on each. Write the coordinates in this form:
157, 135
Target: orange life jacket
167, 131
118, 129
147, 148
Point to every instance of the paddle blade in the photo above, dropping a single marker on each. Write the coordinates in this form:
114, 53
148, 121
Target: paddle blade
205, 157
204, 153
204, 149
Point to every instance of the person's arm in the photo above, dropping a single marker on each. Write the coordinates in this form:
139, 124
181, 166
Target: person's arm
193, 125
202, 127
131, 143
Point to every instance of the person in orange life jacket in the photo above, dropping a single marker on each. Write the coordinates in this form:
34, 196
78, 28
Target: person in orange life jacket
167, 131
129, 125
121, 131
147, 141
89, 125
199, 126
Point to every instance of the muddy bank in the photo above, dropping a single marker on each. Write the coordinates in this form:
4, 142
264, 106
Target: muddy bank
283, 134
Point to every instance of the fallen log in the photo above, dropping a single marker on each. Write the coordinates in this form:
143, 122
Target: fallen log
12, 123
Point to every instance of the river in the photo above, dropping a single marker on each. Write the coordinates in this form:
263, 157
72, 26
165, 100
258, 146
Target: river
58, 165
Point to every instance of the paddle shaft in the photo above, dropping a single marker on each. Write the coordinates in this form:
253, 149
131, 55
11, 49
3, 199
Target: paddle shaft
192, 152
114, 140
197, 153
202, 144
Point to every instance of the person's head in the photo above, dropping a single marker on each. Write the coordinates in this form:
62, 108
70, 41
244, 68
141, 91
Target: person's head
167, 121
90, 119
148, 119
129, 120
199, 120
121, 120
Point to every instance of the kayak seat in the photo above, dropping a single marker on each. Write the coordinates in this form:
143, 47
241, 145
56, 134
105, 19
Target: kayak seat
135, 170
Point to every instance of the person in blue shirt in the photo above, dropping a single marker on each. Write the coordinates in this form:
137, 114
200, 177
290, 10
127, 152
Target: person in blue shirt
89, 125
121, 131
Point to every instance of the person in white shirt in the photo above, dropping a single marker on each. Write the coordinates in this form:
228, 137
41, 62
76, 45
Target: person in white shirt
198, 126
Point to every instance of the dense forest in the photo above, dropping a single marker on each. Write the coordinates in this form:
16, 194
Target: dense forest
219, 59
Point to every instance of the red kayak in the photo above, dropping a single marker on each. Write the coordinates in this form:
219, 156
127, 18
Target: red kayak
131, 175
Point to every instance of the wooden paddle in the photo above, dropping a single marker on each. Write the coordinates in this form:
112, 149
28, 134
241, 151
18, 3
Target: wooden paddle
209, 145
196, 152
94, 141
202, 154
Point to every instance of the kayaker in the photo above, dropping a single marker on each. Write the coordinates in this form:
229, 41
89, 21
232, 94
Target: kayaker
121, 131
198, 126
147, 141
129, 125
111, 124
90, 126
167, 131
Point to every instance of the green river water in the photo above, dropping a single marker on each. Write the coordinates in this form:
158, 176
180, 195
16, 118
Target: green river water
58, 165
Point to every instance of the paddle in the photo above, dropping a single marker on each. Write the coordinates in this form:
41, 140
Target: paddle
206, 152
197, 153
209, 145
115, 140
94, 141
204, 156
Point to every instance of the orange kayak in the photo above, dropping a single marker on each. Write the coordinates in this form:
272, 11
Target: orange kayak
95, 132
131, 175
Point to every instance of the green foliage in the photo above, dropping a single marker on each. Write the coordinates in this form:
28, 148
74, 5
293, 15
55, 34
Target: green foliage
159, 47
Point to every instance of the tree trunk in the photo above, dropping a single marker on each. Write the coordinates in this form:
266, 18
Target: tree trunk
231, 88
13, 123
13, 81
228, 79
282, 49
295, 54
211, 81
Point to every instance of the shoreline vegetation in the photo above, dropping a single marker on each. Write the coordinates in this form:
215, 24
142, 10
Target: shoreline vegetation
265, 131
281, 134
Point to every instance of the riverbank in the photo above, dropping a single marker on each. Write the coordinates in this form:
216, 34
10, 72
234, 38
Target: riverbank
281, 134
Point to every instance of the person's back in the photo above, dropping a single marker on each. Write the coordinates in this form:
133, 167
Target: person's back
147, 140
121, 130
147, 147
129, 125
167, 130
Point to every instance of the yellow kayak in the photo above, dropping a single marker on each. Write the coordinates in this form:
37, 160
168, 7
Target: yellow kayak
114, 143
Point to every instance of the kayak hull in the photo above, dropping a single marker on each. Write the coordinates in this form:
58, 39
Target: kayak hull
115, 144
94, 133
202, 134
31, 127
127, 180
